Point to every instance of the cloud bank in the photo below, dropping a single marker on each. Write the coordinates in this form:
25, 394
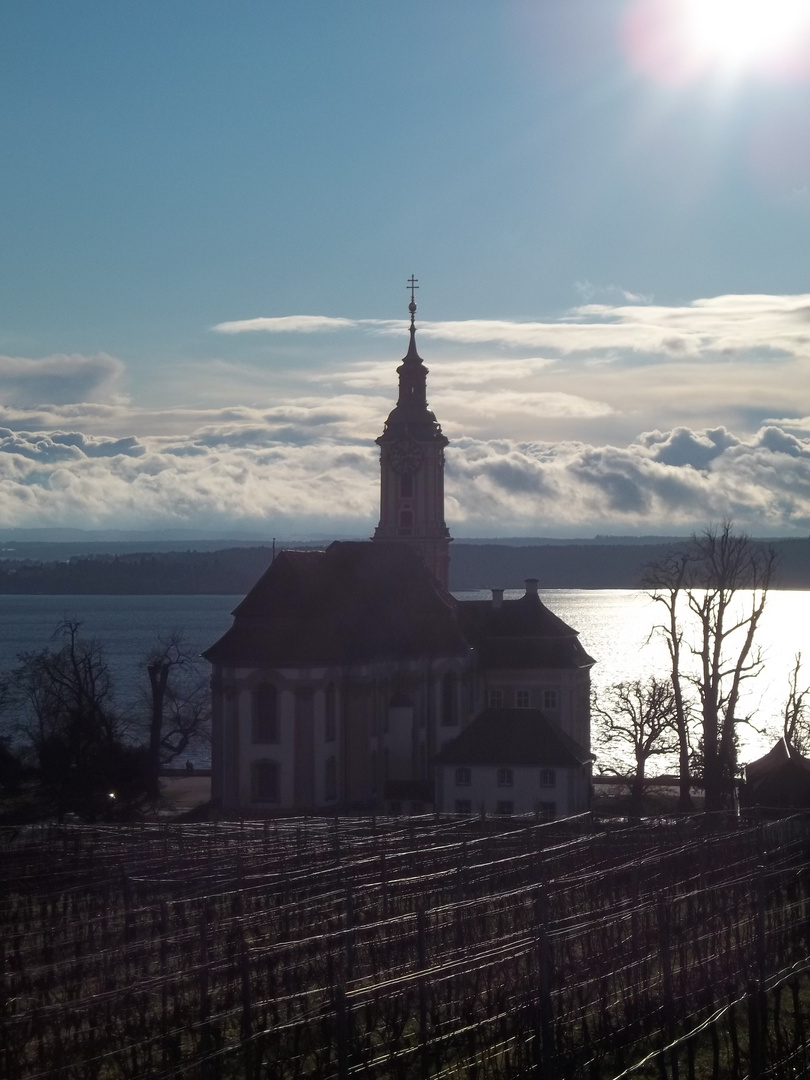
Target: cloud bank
287, 477
615, 418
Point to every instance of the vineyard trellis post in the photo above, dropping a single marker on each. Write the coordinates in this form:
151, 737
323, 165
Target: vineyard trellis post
421, 962
246, 1026
755, 1041
164, 983
668, 1026
760, 924
342, 1018
349, 940
544, 1035
205, 1004
637, 952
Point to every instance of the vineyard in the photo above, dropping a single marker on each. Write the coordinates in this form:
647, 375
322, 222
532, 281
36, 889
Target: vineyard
402, 948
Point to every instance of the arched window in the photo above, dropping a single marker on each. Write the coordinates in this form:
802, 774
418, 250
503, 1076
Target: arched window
265, 714
330, 779
265, 781
449, 699
330, 714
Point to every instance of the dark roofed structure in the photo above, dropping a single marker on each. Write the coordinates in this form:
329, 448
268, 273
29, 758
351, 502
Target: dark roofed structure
514, 737
354, 602
347, 672
779, 779
521, 633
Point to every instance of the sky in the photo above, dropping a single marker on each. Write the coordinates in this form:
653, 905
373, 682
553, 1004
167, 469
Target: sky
209, 212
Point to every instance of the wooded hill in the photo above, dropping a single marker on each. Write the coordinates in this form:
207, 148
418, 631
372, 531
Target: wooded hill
232, 571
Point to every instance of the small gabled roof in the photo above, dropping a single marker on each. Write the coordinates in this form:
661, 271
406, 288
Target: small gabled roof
353, 603
514, 737
521, 634
780, 754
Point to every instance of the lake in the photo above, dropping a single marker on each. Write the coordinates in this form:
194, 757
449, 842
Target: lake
614, 627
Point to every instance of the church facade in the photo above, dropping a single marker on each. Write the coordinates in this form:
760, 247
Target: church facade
351, 679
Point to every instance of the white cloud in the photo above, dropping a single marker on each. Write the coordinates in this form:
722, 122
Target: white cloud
286, 324
514, 402
718, 324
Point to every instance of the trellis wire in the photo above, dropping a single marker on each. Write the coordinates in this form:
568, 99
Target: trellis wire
417, 947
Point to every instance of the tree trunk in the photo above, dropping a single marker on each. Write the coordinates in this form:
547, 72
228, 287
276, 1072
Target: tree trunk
158, 679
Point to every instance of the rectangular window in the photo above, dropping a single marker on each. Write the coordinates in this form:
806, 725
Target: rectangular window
449, 700
504, 807
463, 777
265, 781
330, 779
505, 778
550, 699
522, 699
548, 810
548, 778
330, 715
463, 806
496, 699
264, 702
406, 485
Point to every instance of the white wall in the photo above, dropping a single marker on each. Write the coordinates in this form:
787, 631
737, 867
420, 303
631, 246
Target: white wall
526, 793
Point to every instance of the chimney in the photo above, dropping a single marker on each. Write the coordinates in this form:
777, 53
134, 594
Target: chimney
497, 597
531, 586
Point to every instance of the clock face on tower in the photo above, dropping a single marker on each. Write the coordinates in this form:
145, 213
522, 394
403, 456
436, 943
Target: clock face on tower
405, 456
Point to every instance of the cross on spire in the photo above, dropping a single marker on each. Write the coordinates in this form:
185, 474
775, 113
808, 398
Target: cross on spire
412, 306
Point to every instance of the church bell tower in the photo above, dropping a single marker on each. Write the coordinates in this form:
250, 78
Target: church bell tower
412, 467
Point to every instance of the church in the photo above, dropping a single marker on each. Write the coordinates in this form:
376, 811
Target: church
352, 680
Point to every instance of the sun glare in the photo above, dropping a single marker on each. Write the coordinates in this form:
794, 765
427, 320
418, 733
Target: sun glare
742, 33
680, 41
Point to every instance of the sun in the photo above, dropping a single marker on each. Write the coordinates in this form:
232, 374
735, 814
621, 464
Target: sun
681, 41
740, 34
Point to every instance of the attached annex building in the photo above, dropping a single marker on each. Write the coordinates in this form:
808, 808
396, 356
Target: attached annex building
352, 679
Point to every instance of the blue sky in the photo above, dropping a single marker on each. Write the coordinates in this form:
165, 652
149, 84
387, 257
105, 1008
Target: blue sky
210, 210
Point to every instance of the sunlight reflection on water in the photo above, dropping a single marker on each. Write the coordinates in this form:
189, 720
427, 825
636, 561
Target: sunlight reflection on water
614, 626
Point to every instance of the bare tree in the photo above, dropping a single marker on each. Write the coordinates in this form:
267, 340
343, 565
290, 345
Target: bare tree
715, 592
638, 723
796, 714
179, 702
63, 698
666, 582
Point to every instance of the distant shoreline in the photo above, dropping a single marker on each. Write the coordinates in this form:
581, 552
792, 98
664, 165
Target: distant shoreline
117, 570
